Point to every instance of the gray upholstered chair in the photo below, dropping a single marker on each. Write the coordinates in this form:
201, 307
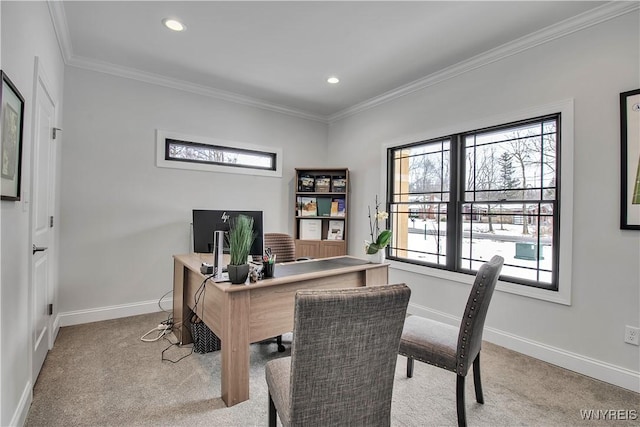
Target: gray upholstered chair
452, 348
343, 358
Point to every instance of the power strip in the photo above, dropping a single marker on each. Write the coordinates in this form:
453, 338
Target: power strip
164, 326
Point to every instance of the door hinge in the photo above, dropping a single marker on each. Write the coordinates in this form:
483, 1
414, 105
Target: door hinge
50, 309
51, 221
54, 132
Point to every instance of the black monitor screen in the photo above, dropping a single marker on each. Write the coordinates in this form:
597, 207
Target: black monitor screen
205, 222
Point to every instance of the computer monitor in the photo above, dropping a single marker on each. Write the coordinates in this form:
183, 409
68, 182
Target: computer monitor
206, 222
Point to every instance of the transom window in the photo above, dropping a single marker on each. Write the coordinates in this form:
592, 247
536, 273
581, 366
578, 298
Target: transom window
456, 201
191, 152
185, 151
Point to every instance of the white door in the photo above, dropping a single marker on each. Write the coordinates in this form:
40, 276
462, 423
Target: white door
43, 174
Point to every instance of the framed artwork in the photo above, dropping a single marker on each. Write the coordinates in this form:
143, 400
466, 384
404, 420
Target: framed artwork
11, 123
630, 160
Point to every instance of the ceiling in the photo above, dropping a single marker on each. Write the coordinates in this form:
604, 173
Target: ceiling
279, 54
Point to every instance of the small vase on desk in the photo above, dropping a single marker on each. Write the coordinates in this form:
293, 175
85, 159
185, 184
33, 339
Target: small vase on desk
238, 273
377, 258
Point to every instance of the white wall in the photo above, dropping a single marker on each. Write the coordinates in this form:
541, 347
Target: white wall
123, 217
27, 32
591, 66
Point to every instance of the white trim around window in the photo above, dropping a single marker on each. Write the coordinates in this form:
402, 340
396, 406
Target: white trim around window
162, 136
565, 108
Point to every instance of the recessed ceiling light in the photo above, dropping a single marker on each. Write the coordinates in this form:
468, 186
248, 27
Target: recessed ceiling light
333, 80
173, 24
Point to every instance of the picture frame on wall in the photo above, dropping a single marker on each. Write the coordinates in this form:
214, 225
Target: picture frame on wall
11, 126
630, 160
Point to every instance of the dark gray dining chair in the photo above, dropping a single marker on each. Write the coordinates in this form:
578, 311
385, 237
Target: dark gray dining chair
452, 348
343, 358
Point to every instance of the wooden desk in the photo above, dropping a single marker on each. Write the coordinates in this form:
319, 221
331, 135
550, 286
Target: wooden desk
243, 314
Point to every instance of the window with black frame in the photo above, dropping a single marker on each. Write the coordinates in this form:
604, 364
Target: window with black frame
187, 151
456, 201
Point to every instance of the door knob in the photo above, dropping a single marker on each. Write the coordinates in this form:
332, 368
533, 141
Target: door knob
38, 248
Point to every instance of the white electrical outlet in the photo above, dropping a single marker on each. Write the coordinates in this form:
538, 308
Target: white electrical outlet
632, 335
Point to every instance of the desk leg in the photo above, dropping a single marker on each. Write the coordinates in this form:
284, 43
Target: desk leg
180, 308
376, 276
235, 347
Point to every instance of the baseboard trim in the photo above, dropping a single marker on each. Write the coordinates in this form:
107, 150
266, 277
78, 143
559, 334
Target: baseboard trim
20, 415
621, 377
78, 317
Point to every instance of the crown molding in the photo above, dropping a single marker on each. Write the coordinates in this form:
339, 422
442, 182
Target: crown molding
157, 79
587, 19
571, 25
61, 28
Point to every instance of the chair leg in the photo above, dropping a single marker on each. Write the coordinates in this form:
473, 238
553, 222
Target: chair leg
476, 379
409, 367
280, 346
272, 413
462, 418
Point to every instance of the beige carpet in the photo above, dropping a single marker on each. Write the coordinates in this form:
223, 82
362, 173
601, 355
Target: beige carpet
101, 374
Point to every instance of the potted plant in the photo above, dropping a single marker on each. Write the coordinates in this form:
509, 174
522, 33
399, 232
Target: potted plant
241, 236
379, 239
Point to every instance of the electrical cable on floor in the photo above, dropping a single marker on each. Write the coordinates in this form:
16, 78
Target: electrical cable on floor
172, 344
160, 302
162, 329
200, 292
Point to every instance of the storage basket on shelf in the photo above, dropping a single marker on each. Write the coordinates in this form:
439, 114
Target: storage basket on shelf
204, 340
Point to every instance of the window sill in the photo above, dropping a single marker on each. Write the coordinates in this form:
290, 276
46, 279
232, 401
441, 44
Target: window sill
527, 291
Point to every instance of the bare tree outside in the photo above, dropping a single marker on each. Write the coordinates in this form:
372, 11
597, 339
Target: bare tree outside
202, 154
487, 177
507, 180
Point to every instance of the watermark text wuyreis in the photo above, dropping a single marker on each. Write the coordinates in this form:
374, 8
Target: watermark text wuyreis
609, 414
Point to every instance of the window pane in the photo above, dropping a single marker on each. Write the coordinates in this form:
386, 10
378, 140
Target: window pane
550, 126
503, 230
428, 166
514, 164
418, 201
549, 162
419, 232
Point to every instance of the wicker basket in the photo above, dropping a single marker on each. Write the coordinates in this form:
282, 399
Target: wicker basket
204, 340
